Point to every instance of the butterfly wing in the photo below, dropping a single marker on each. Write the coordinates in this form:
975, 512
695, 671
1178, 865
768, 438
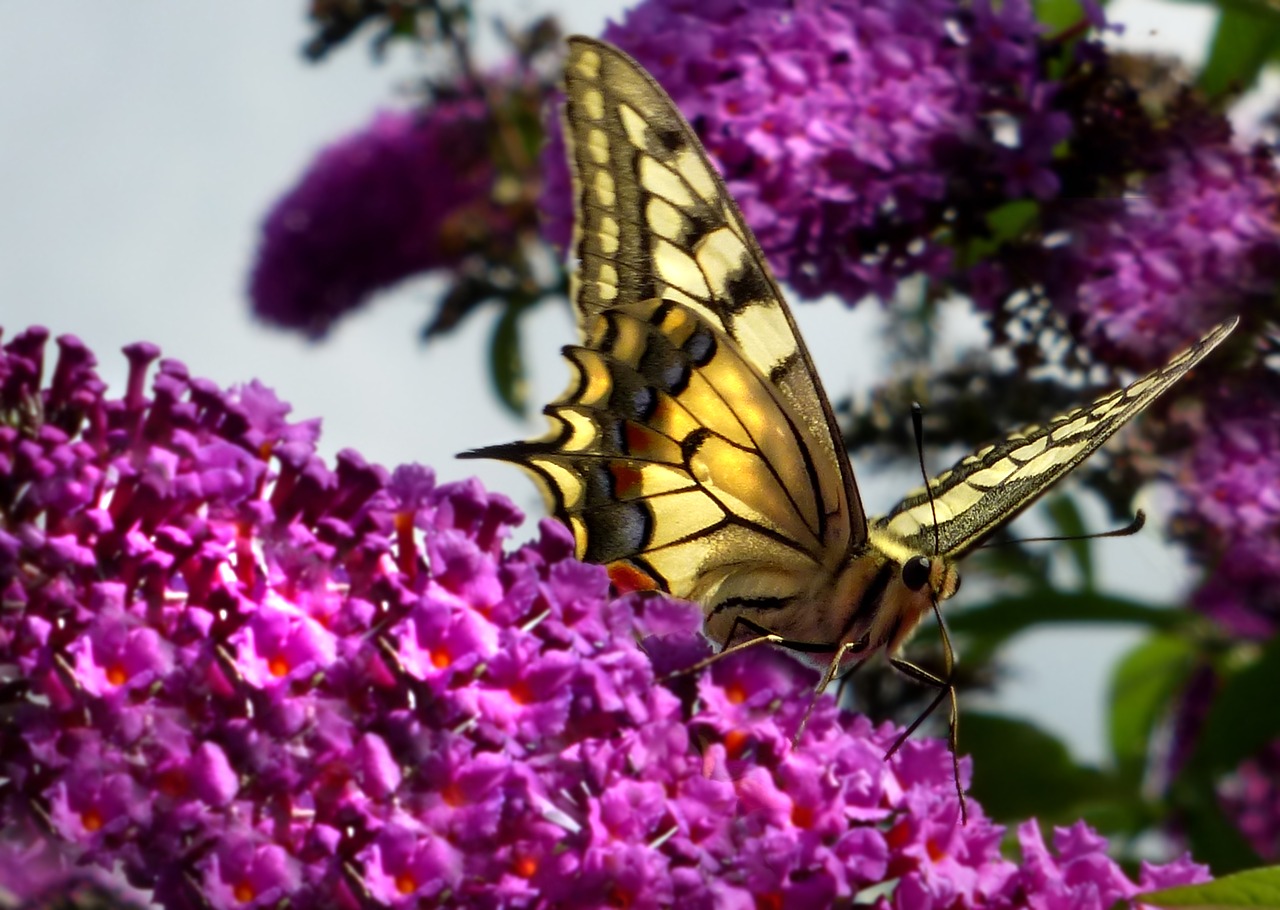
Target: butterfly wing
988, 488
695, 451
655, 222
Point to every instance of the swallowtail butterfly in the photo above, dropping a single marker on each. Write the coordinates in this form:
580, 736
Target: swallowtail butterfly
695, 452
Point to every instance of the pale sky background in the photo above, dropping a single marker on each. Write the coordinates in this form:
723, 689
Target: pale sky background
143, 142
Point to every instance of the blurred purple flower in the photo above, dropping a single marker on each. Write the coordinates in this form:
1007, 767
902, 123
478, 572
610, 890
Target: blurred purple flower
373, 209
1198, 239
299, 714
1248, 794
1231, 491
850, 133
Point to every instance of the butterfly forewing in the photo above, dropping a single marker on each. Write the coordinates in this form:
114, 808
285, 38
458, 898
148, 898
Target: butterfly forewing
988, 488
695, 450
654, 222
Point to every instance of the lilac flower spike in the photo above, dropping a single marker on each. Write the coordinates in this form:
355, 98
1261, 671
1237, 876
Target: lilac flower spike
1196, 241
1231, 489
373, 209
245, 678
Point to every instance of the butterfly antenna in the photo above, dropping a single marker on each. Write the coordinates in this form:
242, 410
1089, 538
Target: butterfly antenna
1133, 527
917, 425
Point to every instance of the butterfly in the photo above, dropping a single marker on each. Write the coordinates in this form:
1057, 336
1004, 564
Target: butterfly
695, 452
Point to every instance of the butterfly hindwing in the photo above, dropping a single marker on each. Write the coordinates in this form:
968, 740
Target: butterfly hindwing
988, 488
667, 483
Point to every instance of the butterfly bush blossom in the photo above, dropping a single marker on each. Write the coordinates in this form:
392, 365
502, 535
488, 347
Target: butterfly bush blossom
387, 202
1198, 239
243, 676
1231, 492
849, 132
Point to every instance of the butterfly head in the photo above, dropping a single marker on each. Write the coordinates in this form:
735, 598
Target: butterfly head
934, 575
887, 602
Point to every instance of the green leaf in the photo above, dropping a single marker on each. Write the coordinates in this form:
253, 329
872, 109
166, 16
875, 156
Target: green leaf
1256, 888
1059, 14
1068, 522
1245, 39
1142, 685
1243, 718
1007, 616
506, 364
1020, 770
1003, 223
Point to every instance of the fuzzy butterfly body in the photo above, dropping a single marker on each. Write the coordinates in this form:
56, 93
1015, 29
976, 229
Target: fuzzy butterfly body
695, 451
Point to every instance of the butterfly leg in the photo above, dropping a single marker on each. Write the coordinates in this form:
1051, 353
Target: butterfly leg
844, 682
804, 647
763, 636
946, 690
832, 669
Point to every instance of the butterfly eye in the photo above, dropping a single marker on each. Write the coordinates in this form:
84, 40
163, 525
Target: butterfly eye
915, 572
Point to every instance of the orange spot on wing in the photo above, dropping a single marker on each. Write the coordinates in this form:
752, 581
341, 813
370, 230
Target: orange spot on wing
641, 441
627, 578
626, 479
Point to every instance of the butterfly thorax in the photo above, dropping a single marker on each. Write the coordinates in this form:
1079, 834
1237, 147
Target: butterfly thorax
873, 602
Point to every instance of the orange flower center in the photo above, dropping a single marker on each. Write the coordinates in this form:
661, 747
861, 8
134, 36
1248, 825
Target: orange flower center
521, 694
771, 900
735, 742
406, 883
801, 816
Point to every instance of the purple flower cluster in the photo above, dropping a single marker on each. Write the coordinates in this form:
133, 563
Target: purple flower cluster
1198, 239
1231, 491
390, 201
246, 678
850, 132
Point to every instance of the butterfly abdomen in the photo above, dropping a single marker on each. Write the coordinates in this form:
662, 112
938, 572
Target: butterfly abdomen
867, 607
